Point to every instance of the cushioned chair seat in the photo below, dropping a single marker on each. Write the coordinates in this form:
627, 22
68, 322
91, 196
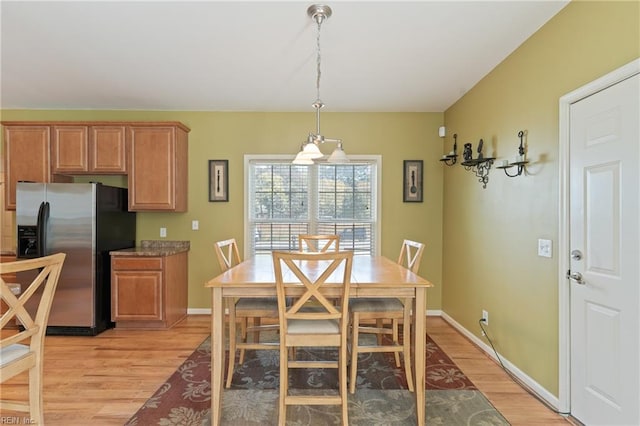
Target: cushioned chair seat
12, 352
313, 327
374, 304
256, 304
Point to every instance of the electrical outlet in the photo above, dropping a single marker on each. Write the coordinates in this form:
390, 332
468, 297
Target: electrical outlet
485, 317
163, 232
195, 225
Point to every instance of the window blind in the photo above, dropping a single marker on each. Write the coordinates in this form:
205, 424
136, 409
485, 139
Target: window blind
286, 200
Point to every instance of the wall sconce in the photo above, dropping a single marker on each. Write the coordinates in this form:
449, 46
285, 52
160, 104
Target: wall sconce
520, 159
480, 165
451, 158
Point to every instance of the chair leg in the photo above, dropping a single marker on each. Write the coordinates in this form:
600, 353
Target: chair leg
256, 334
243, 334
394, 325
35, 394
355, 324
284, 384
379, 324
342, 365
406, 343
232, 344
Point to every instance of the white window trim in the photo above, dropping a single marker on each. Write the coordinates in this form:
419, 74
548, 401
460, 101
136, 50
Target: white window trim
378, 194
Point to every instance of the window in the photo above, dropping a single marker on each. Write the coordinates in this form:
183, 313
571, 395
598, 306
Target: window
284, 200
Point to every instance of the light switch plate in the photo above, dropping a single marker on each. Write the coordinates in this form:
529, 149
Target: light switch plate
195, 225
163, 232
545, 248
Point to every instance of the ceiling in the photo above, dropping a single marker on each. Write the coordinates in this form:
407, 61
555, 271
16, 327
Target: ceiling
404, 56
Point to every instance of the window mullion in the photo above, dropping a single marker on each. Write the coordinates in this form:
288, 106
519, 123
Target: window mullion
313, 199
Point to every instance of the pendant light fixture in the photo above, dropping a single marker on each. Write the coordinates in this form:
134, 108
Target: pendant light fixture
309, 150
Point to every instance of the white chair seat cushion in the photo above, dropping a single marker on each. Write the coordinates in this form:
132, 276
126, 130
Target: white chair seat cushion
313, 326
374, 304
12, 352
253, 304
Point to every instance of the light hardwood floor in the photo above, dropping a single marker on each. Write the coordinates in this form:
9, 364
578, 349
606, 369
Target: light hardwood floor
103, 380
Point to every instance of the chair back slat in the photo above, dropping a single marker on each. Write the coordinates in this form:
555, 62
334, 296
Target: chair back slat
227, 253
307, 299
318, 243
46, 280
411, 255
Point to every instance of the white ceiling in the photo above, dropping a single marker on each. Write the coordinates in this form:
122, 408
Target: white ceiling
388, 56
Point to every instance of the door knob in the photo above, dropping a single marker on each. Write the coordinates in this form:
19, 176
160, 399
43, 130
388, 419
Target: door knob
577, 277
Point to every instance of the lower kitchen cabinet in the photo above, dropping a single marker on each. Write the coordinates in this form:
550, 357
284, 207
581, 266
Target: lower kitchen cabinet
149, 291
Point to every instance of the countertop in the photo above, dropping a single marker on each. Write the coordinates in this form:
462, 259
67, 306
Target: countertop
154, 248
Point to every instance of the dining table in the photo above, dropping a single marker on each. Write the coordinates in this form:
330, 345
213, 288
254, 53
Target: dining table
371, 276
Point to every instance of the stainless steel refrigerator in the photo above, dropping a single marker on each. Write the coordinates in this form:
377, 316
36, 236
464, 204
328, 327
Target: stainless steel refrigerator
85, 221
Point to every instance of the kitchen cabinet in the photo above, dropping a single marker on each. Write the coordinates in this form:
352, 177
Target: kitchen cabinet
154, 155
148, 291
84, 149
26, 149
158, 161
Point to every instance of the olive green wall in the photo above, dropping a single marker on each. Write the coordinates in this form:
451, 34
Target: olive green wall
231, 135
490, 235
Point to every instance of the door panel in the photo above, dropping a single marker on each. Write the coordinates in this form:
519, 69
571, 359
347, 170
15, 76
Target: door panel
604, 181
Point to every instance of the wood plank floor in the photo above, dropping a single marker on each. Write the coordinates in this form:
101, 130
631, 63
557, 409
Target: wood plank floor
103, 380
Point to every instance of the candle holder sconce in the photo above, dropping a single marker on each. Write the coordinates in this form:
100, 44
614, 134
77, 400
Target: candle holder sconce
520, 162
451, 158
480, 165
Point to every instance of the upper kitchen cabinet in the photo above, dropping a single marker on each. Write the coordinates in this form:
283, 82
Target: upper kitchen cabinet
158, 161
26, 151
88, 149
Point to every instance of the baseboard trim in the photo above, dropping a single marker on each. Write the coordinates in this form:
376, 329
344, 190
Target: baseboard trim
533, 386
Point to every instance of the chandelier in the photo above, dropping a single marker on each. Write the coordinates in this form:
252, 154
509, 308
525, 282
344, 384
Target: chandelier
309, 150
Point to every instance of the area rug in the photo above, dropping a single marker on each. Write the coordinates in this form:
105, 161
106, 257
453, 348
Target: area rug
381, 396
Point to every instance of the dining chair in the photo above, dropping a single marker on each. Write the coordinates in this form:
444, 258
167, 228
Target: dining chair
309, 319
243, 309
22, 349
381, 309
318, 243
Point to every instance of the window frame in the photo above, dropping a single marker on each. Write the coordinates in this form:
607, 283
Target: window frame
376, 160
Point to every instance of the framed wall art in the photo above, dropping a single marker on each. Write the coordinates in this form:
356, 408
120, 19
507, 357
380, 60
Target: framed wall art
218, 180
412, 181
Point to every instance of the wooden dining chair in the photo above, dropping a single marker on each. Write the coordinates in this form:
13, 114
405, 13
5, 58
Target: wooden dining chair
381, 309
243, 309
309, 319
23, 349
318, 243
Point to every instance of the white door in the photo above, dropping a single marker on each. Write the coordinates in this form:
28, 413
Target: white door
604, 190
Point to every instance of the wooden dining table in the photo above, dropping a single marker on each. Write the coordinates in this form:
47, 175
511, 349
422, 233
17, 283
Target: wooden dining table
372, 276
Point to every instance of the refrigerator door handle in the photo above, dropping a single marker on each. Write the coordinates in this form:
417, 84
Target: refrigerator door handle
43, 219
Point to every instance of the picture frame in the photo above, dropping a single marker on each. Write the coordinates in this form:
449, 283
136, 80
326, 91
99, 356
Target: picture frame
412, 181
218, 180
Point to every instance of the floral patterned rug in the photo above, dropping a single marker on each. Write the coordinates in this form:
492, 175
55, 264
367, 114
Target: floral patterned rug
381, 396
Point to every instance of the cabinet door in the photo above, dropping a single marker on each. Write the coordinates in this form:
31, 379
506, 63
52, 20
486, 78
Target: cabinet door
26, 157
107, 150
136, 295
70, 149
155, 180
